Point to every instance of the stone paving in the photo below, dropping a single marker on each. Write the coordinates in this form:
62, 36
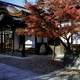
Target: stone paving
33, 68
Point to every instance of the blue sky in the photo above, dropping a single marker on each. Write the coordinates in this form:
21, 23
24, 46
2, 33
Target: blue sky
19, 2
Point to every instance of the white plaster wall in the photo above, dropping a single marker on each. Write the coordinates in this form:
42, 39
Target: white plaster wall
16, 42
59, 50
31, 38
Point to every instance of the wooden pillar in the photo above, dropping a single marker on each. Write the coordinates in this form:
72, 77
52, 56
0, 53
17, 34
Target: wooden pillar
1, 39
13, 40
23, 46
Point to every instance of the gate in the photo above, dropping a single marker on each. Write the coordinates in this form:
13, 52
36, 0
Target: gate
6, 41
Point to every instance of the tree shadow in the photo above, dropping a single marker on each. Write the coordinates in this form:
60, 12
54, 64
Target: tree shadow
38, 64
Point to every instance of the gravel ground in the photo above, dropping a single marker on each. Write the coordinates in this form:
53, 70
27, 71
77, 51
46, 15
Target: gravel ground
36, 63
39, 66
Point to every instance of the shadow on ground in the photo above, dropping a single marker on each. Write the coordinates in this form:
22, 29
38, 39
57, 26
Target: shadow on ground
37, 64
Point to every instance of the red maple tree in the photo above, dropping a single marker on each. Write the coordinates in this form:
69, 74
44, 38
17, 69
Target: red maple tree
47, 16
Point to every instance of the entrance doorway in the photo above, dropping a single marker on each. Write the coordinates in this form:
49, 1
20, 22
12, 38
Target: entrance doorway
6, 41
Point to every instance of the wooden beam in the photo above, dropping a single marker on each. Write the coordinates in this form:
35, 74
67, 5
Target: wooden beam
6, 3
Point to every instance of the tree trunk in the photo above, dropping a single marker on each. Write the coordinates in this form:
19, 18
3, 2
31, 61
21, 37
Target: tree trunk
68, 54
53, 51
68, 57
